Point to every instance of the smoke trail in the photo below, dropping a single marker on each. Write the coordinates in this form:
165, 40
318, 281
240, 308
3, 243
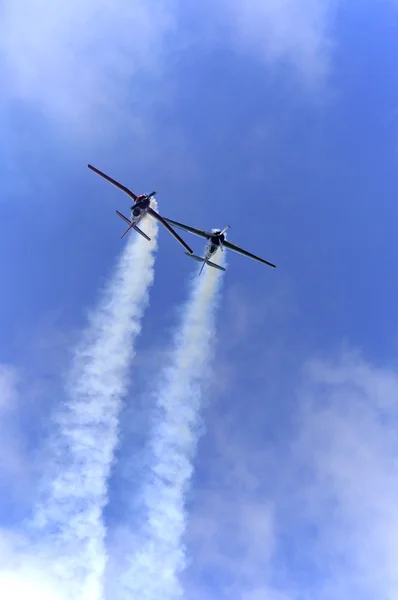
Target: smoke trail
160, 554
68, 524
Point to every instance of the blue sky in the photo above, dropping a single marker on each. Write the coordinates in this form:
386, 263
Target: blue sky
279, 119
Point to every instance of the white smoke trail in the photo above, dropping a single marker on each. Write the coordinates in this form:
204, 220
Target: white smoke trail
159, 553
68, 524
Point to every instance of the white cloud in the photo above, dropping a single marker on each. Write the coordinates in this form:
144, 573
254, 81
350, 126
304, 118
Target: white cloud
349, 445
12, 447
27, 583
231, 532
21, 575
75, 60
8, 387
265, 593
88, 63
313, 515
232, 541
297, 32
20, 578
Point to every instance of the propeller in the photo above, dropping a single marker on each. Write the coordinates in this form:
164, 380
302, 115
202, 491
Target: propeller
219, 232
222, 233
152, 194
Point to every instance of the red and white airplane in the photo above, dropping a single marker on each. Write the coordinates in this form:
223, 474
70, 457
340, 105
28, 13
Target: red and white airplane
140, 208
217, 240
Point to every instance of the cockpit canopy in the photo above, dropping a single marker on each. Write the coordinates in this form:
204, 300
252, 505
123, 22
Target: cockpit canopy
136, 211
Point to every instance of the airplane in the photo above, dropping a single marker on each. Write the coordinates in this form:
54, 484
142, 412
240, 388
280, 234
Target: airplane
140, 208
216, 240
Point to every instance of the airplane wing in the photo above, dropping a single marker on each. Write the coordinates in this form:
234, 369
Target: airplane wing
199, 232
114, 182
164, 222
245, 253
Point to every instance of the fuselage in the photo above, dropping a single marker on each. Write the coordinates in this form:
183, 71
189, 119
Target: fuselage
139, 208
214, 244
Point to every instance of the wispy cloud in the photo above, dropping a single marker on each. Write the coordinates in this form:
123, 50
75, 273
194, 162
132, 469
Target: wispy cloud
296, 32
308, 512
13, 455
159, 555
75, 61
68, 526
8, 386
348, 445
231, 531
21, 574
88, 63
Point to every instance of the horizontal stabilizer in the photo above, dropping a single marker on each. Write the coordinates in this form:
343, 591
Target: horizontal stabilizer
211, 264
125, 219
131, 226
198, 258
142, 233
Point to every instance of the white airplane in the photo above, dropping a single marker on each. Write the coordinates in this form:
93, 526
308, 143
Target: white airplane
140, 208
216, 240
